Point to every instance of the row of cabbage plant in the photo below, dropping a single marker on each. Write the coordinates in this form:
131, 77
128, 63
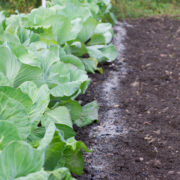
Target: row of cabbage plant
45, 58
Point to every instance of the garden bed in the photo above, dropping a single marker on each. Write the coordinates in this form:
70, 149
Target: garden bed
137, 136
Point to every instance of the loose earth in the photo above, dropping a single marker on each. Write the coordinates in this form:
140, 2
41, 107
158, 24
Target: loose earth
138, 133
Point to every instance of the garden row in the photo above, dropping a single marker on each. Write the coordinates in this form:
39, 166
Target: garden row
44, 60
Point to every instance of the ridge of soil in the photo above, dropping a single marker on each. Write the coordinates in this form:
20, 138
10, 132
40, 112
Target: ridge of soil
147, 108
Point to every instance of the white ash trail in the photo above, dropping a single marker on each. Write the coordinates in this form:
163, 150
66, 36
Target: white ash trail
110, 88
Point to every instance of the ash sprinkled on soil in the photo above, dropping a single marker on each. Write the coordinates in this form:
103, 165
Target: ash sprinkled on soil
111, 124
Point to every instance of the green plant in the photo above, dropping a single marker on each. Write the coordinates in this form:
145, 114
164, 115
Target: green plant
24, 5
20, 5
144, 8
44, 60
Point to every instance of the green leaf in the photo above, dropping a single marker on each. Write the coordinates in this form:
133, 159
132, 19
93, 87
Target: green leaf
17, 49
40, 57
77, 145
47, 137
29, 73
68, 80
74, 108
40, 97
65, 131
61, 174
103, 53
60, 115
72, 156
17, 95
88, 29
58, 174
66, 89
73, 160
73, 60
78, 48
13, 111
89, 114
4, 81
75, 9
19, 159
105, 29
61, 28
8, 133
36, 136
90, 64
97, 39
40, 175
8, 37
30, 88
9, 64
53, 153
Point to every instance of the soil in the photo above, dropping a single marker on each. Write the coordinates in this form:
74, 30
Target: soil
138, 133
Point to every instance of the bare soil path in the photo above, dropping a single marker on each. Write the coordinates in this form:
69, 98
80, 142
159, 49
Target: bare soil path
138, 135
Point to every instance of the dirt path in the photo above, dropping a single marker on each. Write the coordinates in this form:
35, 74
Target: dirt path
138, 136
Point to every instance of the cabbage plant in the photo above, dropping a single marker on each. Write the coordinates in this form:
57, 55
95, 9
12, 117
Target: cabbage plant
44, 60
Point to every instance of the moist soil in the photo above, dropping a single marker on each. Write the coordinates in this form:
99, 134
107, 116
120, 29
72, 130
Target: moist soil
146, 145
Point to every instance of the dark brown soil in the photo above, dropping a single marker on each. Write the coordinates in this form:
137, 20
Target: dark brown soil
149, 100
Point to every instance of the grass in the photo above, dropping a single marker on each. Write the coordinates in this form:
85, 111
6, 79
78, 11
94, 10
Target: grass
124, 9
10, 6
128, 9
